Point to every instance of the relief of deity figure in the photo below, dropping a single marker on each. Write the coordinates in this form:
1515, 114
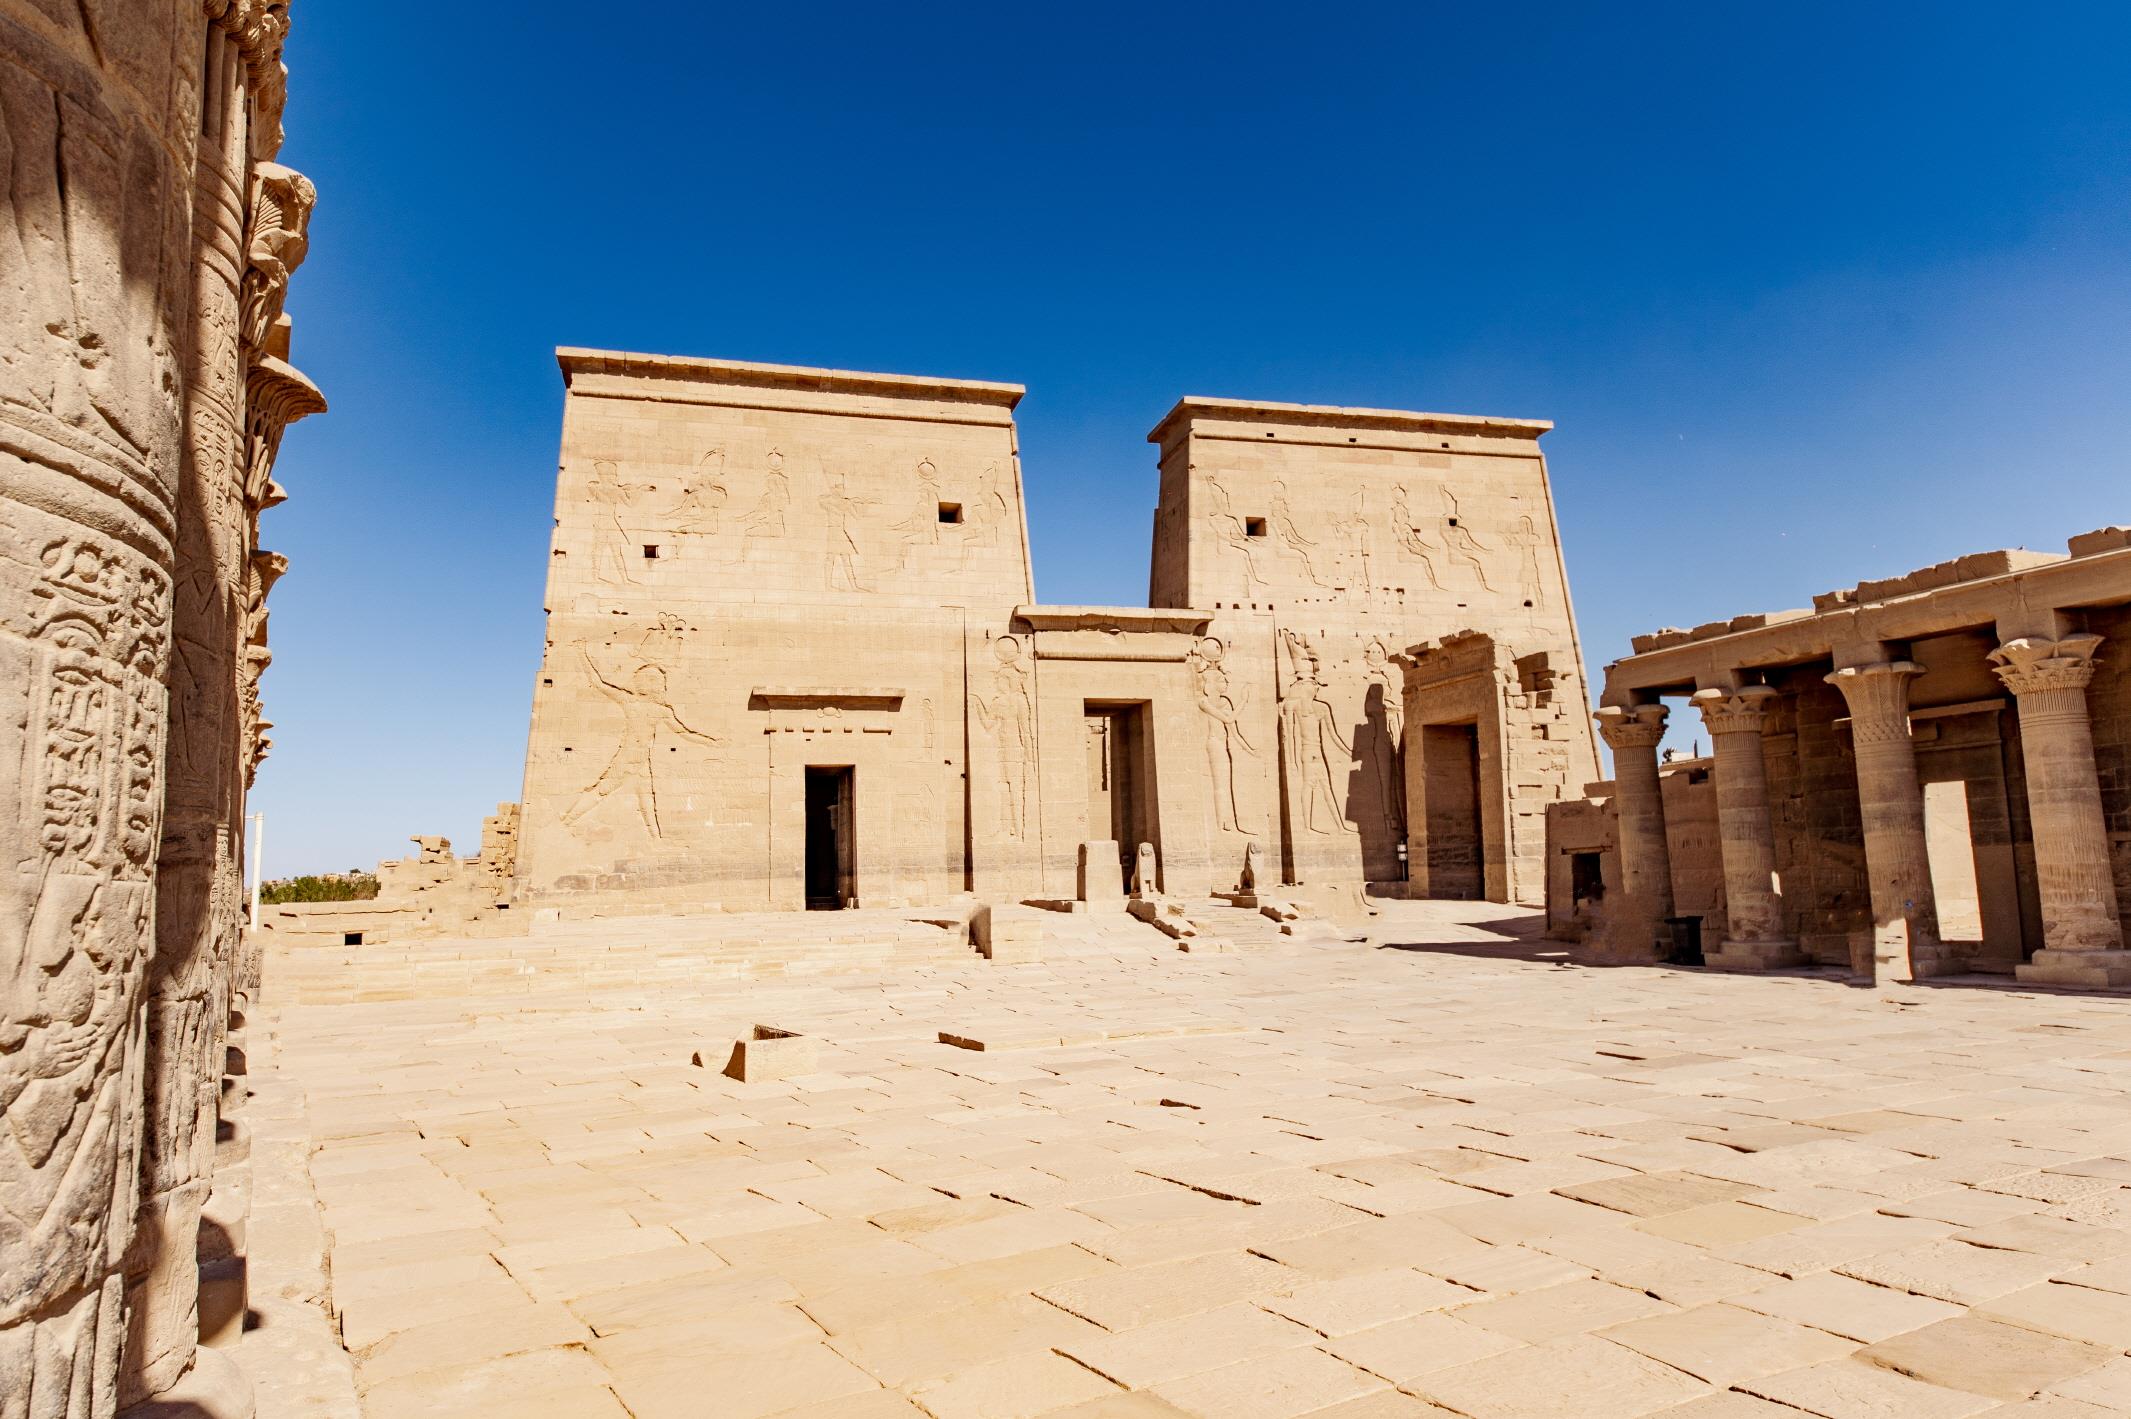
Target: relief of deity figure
1283, 526
839, 507
765, 520
1465, 549
1410, 539
703, 497
922, 527
988, 518
1225, 738
1384, 712
1008, 714
1356, 533
1230, 529
1528, 580
649, 722
1315, 752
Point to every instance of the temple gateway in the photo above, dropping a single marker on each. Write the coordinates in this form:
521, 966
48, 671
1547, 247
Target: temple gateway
795, 660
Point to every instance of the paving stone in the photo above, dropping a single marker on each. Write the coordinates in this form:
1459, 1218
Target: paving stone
1404, 1350
1852, 1388
2076, 1312
1577, 1307
1012, 1388
1120, 1300
1719, 1224
1656, 1194
1985, 1356
1581, 1376
1282, 1385
1845, 1306
1954, 1271
1147, 1355
748, 1386
541, 1384
1357, 1302
1724, 1344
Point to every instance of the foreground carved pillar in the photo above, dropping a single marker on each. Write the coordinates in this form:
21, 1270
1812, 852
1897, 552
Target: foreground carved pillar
1631, 927
1755, 939
2082, 935
1905, 915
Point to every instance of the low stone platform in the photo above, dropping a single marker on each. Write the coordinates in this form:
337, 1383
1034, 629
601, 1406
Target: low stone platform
1433, 1173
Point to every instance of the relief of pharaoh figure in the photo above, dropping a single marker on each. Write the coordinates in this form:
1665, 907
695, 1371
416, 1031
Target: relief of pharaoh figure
1283, 522
612, 495
838, 507
649, 724
1008, 715
1528, 580
1225, 738
1316, 753
1410, 539
1384, 715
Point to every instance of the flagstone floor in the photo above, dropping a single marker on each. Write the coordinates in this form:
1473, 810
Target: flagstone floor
1352, 1181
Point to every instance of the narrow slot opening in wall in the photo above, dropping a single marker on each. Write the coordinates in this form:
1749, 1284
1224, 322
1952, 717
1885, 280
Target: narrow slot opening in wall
651, 552
351, 938
950, 512
1253, 527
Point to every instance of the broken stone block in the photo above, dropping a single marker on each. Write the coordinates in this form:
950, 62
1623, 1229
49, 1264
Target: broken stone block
1102, 879
1009, 935
770, 1054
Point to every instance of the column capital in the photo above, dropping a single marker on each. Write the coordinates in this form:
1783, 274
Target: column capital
1740, 711
1632, 727
2032, 663
1878, 697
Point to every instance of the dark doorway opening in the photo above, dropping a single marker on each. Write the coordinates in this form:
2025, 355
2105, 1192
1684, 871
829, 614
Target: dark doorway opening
1457, 861
832, 825
1120, 780
1587, 881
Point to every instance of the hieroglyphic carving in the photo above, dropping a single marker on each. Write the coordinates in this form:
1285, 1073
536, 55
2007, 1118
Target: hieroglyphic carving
988, 514
649, 721
1008, 715
703, 497
1410, 540
1225, 738
764, 522
1317, 755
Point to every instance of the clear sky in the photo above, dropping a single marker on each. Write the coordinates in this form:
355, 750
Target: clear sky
1812, 292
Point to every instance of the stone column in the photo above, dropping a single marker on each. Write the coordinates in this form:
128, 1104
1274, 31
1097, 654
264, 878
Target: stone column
1631, 926
1905, 916
1755, 939
2082, 935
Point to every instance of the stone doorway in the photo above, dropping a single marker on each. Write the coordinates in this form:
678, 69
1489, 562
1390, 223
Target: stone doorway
1456, 852
1120, 780
832, 822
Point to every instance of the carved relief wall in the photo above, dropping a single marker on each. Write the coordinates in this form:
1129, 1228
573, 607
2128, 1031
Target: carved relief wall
144, 388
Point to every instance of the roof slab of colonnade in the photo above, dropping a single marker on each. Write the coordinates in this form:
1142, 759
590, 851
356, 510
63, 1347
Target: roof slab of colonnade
2008, 593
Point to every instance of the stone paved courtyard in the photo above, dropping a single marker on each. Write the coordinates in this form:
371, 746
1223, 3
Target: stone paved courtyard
1355, 1181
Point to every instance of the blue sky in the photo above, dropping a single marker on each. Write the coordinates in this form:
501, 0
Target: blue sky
1812, 292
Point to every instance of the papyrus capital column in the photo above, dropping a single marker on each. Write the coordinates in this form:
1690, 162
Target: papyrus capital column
1905, 918
1639, 806
2082, 936
1753, 905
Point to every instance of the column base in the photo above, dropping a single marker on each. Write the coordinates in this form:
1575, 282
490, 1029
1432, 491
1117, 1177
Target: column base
2094, 970
214, 1388
1754, 955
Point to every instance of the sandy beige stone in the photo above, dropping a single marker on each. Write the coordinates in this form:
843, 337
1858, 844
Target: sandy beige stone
1724, 1344
1282, 1385
1985, 1356
1148, 1355
1848, 1307
1012, 1388
1557, 1311
1954, 1271
1856, 1387
2097, 1317
1352, 1303
1404, 1350
1579, 1374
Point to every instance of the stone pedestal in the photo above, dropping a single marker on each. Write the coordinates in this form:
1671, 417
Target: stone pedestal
1755, 938
2082, 935
1630, 925
1905, 918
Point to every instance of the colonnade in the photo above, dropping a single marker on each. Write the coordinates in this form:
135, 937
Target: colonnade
2083, 941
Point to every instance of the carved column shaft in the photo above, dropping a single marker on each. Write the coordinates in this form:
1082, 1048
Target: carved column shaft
1639, 809
2082, 935
1905, 917
1753, 905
